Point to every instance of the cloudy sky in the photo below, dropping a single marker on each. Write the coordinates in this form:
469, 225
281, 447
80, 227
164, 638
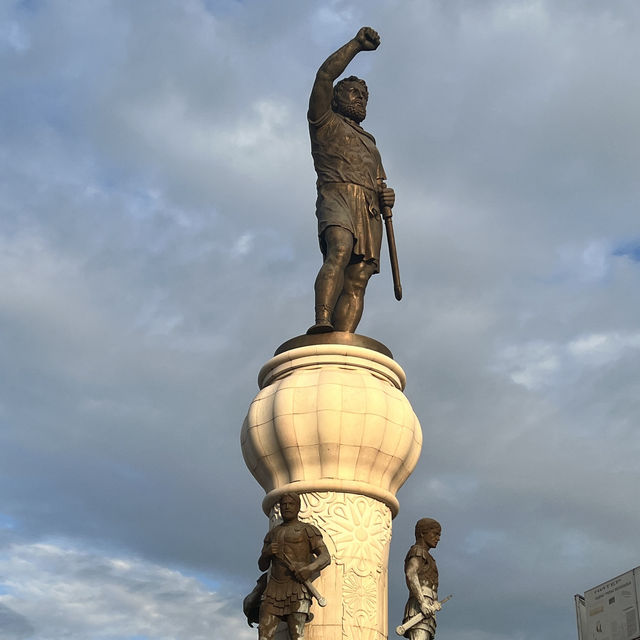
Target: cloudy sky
157, 244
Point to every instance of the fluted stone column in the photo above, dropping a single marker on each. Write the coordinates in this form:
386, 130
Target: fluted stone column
331, 423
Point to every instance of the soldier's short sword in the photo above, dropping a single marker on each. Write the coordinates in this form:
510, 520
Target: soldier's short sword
413, 621
322, 601
393, 254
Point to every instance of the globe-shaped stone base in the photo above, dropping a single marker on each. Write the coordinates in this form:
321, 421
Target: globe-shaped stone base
331, 417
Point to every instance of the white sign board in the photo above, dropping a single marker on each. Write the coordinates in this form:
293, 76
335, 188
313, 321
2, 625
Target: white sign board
581, 616
612, 609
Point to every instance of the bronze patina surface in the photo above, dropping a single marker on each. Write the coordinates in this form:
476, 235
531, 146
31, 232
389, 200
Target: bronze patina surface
421, 575
295, 553
335, 337
352, 194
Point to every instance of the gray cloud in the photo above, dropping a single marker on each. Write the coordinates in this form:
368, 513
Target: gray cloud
13, 625
58, 592
157, 243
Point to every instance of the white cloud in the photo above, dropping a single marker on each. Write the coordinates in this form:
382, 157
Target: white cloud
158, 242
64, 592
598, 349
539, 364
590, 263
532, 365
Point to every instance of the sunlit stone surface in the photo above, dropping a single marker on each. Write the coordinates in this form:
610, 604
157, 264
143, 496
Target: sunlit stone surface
331, 423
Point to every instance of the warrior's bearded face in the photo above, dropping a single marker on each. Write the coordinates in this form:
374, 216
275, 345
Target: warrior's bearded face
289, 506
350, 99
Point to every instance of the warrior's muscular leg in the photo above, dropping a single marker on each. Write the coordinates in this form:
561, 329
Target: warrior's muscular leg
295, 622
330, 279
351, 302
267, 625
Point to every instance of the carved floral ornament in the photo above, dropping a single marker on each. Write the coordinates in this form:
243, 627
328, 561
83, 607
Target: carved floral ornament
359, 527
360, 597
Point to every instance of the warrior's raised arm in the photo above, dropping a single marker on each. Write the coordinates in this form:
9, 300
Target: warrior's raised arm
366, 39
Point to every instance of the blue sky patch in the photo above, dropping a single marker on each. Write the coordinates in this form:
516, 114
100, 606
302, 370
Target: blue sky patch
7, 522
629, 250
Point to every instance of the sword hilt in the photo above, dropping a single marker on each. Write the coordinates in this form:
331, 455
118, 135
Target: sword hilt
401, 629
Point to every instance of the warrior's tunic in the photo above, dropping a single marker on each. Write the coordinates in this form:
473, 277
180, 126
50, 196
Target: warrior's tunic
428, 578
284, 594
349, 171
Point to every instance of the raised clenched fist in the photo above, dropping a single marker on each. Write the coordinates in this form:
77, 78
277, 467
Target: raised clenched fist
368, 39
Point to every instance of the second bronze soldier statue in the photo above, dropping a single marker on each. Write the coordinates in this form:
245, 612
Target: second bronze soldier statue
421, 574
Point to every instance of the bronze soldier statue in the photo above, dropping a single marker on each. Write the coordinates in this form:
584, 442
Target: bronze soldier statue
296, 553
421, 574
351, 189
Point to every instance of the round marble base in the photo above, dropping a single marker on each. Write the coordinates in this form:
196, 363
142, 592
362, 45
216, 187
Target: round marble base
331, 417
334, 337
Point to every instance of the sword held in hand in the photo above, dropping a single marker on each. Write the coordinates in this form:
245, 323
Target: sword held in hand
413, 621
391, 242
322, 601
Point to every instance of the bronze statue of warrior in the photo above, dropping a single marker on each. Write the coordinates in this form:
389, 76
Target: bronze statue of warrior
351, 189
296, 553
421, 574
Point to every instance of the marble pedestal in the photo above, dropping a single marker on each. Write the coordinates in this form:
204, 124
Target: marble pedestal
331, 423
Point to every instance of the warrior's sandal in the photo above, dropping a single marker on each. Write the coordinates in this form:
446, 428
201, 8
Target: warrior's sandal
320, 327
